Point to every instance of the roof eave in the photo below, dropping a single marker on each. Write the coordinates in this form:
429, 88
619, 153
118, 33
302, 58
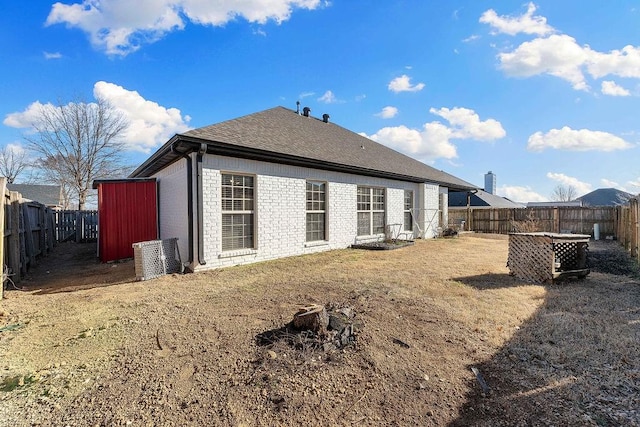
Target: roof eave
181, 145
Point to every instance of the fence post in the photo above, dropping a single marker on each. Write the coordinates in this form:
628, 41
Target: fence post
3, 189
14, 239
78, 227
30, 249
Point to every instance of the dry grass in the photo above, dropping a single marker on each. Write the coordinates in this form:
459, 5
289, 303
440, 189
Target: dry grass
95, 352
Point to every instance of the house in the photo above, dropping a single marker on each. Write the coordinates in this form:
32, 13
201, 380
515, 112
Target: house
280, 183
480, 199
557, 204
606, 197
49, 195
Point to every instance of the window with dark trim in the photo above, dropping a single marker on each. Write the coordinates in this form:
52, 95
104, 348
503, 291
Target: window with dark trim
371, 211
316, 211
237, 212
408, 205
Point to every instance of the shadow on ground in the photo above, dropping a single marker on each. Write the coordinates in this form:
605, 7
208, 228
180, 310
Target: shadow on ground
575, 362
74, 266
489, 281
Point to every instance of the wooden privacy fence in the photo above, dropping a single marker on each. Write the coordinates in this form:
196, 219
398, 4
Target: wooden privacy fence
617, 222
628, 229
78, 226
575, 220
31, 230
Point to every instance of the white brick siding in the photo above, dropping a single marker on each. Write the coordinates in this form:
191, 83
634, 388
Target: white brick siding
444, 207
280, 208
430, 205
172, 203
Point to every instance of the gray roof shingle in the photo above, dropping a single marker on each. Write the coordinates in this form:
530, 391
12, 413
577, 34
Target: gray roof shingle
49, 195
481, 199
281, 131
606, 197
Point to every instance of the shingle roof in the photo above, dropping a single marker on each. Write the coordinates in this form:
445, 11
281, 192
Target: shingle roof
282, 132
605, 197
481, 199
49, 195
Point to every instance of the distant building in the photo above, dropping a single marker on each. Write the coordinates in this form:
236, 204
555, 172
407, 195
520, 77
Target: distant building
605, 197
480, 199
490, 183
557, 204
48, 195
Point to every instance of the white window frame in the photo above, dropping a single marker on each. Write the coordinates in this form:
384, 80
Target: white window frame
408, 207
239, 206
316, 206
371, 201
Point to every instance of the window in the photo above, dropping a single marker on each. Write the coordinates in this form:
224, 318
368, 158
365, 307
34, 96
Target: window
370, 211
408, 205
316, 211
237, 212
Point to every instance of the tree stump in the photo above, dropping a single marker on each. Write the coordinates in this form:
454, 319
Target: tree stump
313, 317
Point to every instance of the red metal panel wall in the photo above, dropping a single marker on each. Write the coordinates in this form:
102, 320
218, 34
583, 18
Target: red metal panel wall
127, 213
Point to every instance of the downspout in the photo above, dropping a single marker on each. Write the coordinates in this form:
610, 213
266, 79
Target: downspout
201, 151
189, 200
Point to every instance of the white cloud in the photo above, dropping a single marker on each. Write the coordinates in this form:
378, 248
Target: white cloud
526, 23
557, 55
611, 184
581, 187
119, 29
430, 143
150, 124
466, 124
576, 140
52, 55
26, 118
560, 55
608, 183
388, 112
328, 98
471, 38
520, 194
16, 148
623, 63
635, 184
611, 88
306, 95
433, 141
403, 84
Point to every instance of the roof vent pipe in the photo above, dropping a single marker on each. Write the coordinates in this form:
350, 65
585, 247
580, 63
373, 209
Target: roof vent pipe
306, 111
325, 118
298, 107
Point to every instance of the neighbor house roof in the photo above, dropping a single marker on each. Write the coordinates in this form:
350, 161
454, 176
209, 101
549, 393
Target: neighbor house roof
570, 204
605, 197
281, 135
481, 199
49, 195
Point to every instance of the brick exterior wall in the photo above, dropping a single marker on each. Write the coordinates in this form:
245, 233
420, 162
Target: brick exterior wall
430, 217
172, 205
280, 208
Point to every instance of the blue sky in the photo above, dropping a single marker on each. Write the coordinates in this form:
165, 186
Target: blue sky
542, 93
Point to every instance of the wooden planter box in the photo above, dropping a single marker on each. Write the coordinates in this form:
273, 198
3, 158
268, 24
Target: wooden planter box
548, 257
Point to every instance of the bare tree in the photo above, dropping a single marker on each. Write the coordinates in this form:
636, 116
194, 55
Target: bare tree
564, 193
12, 162
77, 143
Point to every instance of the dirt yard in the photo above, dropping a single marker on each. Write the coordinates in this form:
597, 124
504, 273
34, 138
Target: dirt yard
85, 345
